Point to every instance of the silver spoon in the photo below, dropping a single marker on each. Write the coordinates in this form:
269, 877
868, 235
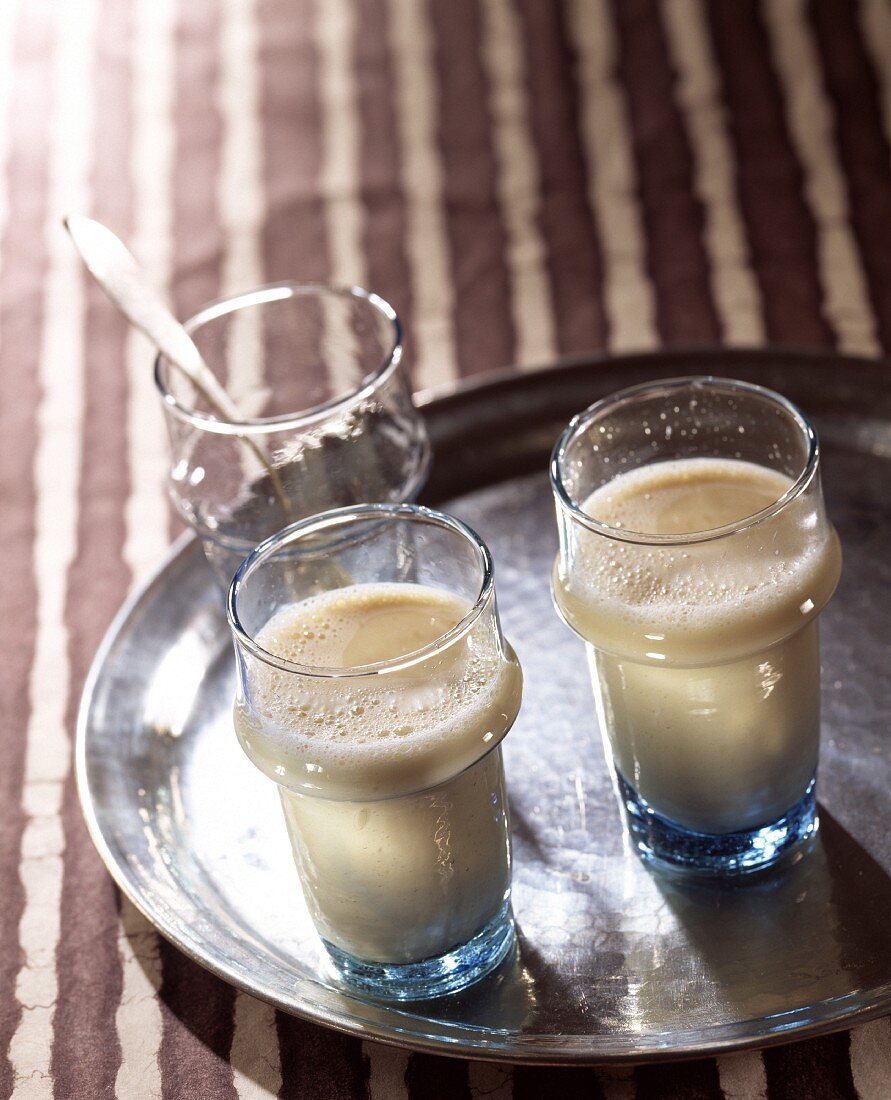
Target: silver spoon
115, 269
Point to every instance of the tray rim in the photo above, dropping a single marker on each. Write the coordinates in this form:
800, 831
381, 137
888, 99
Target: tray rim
696, 354
539, 1049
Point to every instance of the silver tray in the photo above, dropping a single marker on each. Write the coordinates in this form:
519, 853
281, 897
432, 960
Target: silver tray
614, 963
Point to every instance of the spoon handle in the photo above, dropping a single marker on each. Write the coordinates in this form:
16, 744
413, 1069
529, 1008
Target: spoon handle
114, 268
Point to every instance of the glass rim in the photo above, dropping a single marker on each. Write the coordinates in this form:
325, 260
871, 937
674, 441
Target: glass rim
336, 517
581, 421
263, 295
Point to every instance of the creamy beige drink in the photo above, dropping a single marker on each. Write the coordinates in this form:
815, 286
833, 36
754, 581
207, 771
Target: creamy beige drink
392, 782
704, 653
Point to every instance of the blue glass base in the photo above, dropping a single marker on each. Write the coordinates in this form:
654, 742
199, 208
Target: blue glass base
433, 977
664, 842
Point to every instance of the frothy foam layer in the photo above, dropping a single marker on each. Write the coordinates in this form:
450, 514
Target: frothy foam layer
686, 496
700, 601
376, 735
362, 625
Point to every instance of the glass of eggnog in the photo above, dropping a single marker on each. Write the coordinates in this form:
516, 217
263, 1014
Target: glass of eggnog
695, 558
375, 688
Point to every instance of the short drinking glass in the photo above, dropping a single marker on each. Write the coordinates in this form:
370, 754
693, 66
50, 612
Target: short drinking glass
328, 419
375, 687
695, 558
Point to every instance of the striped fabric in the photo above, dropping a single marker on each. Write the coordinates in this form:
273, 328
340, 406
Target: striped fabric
523, 179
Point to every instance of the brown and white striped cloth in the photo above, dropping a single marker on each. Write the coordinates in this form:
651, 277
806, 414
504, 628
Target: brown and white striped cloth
523, 179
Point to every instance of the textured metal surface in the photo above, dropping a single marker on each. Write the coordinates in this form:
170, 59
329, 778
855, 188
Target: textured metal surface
615, 963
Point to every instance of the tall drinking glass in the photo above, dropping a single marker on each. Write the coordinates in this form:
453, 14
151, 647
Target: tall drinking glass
695, 558
318, 374
374, 688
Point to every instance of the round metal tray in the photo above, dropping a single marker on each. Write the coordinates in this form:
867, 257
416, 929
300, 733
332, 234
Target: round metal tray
615, 963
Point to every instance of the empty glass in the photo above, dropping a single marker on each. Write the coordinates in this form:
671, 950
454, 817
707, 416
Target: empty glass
375, 688
328, 419
695, 558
